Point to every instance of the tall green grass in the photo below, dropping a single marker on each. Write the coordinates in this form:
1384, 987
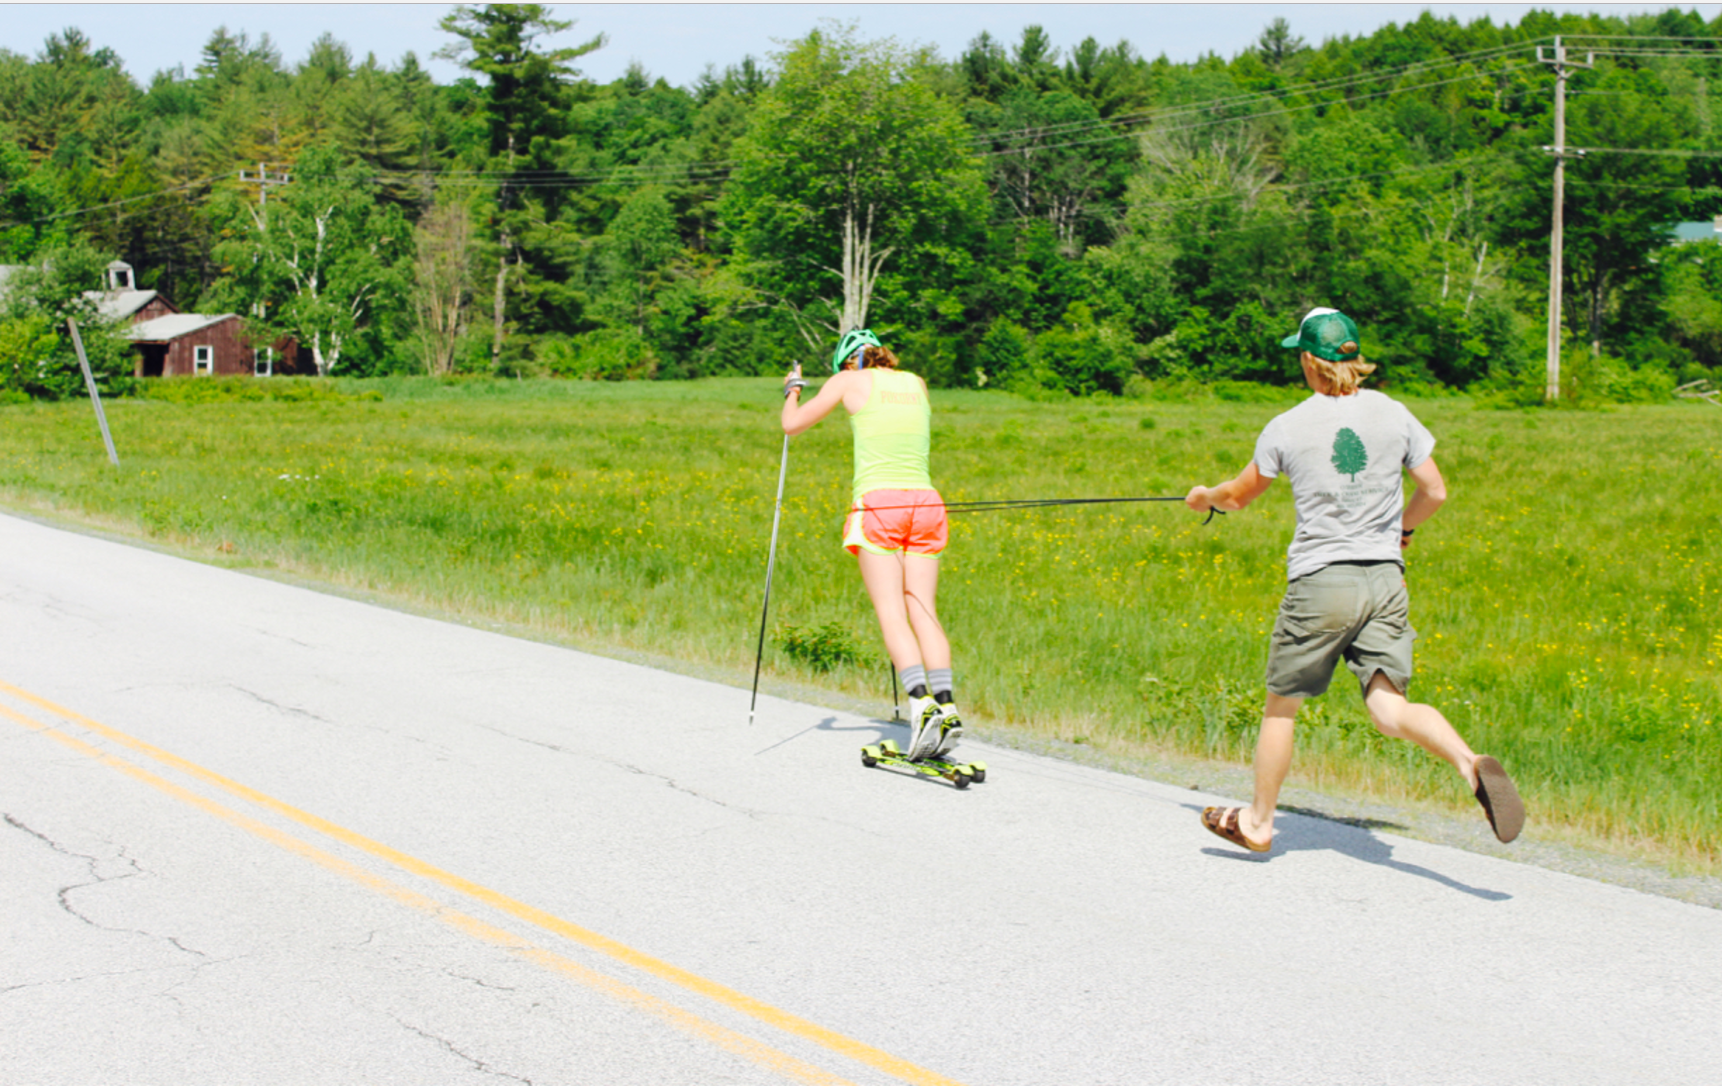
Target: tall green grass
1567, 598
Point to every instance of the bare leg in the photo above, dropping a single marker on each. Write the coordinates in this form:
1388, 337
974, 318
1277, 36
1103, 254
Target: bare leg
1422, 725
920, 587
1273, 762
883, 576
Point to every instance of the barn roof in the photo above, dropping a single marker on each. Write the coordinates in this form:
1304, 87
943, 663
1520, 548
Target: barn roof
173, 326
114, 305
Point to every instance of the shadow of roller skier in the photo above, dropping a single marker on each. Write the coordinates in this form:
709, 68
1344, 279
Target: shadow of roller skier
878, 727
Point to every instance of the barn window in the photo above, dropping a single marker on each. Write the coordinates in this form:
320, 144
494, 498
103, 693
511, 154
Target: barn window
203, 359
263, 362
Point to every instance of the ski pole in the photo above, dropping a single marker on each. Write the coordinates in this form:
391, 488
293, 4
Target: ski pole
896, 705
770, 564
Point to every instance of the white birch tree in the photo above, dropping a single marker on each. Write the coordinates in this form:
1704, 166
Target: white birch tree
312, 261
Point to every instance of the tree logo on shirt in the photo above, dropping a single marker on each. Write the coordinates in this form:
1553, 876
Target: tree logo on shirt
1349, 456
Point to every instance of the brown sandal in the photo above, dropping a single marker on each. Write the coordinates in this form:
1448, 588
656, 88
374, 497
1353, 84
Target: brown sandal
1499, 798
1224, 823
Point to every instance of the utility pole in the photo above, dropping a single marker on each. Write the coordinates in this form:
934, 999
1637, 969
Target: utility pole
1562, 66
263, 180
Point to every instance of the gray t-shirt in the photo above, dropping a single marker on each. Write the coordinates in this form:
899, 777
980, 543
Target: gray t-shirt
1343, 457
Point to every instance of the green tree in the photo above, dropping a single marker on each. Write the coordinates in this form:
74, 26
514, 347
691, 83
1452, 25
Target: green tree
500, 42
1040, 171
36, 352
635, 256
850, 159
1278, 44
1349, 456
318, 262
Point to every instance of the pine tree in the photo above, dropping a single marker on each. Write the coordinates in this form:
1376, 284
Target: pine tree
1349, 456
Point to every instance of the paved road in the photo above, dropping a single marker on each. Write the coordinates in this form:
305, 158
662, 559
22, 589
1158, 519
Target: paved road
257, 834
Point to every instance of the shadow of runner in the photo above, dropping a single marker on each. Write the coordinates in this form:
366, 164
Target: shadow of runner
1352, 837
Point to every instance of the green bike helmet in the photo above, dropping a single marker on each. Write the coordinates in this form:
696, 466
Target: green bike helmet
853, 341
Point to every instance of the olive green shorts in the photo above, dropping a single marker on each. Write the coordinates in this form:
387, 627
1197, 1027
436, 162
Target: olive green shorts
1358, 611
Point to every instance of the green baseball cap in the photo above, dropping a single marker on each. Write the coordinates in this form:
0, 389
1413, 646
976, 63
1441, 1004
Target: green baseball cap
1327, 334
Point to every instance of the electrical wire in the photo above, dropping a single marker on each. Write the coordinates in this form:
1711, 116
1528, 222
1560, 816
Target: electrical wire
1315, 87
118, 203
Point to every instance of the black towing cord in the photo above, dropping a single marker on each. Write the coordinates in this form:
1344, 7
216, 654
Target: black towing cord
987, 506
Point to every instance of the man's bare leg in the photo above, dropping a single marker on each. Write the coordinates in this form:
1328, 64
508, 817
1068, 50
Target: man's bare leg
1420, 724
1273, 763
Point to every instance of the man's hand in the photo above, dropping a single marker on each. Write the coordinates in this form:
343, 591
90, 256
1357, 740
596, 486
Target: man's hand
1200, 499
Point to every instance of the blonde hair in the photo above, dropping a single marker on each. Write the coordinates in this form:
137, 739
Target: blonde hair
1342, 379
873, 357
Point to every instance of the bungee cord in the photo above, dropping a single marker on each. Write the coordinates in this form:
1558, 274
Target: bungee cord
987, 506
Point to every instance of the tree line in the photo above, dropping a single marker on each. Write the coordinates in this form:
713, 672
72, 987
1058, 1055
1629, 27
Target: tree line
1040, 216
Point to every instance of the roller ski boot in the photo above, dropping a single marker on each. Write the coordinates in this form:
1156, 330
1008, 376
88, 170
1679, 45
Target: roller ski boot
950, 730
923, 727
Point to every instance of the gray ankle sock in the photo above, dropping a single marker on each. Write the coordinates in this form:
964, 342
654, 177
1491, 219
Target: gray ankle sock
939, 681
915, 676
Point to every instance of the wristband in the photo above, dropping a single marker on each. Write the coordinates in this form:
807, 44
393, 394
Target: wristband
1406, 532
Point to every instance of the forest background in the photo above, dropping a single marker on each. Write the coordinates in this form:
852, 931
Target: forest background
1045, 217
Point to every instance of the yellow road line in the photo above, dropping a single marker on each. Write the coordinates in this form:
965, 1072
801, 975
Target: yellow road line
886, 1063
785, 1065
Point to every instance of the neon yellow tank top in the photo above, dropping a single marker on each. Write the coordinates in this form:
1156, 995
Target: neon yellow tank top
892, 433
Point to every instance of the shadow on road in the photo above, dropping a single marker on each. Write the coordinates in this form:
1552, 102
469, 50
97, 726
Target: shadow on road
880, 730
1352, 837
872, 731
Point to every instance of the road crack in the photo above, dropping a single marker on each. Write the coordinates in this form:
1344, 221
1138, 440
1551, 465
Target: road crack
477, 1063
283, 707
752, 814
95, 865
477, 981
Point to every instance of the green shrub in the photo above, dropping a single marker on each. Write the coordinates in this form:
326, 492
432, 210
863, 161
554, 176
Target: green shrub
1085, 356
602, 355
228, 388
819, 648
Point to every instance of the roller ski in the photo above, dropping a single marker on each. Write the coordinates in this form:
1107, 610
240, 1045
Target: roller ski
935, 730
957, 774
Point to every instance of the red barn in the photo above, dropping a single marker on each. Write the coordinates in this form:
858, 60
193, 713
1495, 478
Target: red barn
172, 344
197, 345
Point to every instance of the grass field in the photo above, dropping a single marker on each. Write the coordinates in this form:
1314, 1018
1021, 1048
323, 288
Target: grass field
1567, 598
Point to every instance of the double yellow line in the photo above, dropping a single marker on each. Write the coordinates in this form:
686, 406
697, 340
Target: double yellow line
779, 1063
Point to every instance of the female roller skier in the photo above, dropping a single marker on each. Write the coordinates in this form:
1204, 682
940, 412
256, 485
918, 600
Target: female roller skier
896, 526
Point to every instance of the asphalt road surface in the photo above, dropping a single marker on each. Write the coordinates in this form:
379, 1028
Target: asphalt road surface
256, 834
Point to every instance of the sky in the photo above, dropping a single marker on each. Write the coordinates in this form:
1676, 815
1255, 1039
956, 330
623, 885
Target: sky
677, 41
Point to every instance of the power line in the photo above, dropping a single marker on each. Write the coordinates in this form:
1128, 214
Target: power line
1674, 151
1296, 90
115, 203
1276, 113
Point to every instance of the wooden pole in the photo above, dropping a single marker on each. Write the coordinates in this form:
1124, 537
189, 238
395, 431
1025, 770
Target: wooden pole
1552, 392
1558, 58
95, 395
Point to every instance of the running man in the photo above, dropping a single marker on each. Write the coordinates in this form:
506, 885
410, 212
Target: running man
1343, 450
896, 526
